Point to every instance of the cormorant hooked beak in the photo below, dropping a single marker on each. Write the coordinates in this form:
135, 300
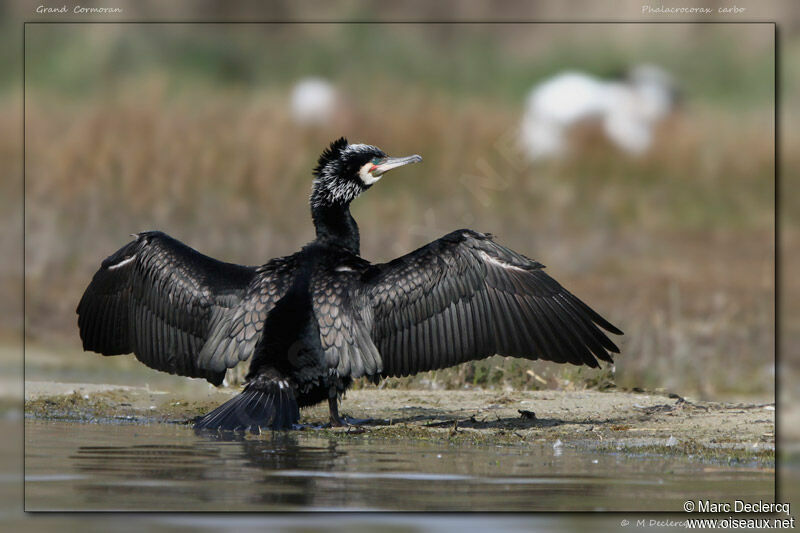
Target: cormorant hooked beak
388, 163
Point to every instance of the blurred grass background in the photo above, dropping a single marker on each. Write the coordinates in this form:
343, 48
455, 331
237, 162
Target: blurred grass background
185, 128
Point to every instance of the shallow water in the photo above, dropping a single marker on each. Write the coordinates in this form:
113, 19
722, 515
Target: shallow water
74, 466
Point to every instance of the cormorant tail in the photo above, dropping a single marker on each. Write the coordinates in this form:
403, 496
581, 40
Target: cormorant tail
265, 403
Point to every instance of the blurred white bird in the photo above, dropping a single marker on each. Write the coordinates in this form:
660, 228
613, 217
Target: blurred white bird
627, 109
313, 101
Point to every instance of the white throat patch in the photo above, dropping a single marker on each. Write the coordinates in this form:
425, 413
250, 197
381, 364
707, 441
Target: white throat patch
366, 177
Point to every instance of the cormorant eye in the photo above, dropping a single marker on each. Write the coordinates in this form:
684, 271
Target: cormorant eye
376, 160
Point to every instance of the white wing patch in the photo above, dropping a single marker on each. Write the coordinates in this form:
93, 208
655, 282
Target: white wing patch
122, 263
502, 264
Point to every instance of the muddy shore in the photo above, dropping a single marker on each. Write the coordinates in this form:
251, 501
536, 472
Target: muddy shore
627, 421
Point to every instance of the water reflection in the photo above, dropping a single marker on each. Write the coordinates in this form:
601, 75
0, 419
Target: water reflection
164, 467
210, 464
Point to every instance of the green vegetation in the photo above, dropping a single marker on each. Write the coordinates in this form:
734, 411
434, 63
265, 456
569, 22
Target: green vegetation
462, 61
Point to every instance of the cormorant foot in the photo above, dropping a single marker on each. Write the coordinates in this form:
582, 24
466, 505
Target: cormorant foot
346, 421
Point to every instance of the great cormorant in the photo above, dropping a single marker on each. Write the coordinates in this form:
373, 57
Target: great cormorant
315, 320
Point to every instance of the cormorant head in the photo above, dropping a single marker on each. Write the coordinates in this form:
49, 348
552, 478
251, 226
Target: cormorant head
346, 170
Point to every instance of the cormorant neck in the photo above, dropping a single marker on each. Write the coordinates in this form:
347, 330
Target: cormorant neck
335, 225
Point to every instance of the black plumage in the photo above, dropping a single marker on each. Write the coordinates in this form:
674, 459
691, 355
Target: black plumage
312, 322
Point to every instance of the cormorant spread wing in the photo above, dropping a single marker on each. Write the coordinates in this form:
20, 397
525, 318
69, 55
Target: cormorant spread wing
464, 297
178, 310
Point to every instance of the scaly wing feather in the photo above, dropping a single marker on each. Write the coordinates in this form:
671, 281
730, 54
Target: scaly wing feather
464, 297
